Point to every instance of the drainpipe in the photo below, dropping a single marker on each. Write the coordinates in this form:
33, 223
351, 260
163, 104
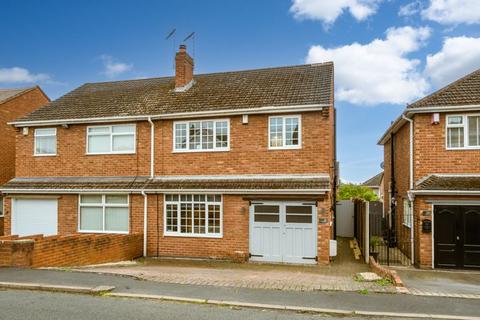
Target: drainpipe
144, 223
410, 198
152, 147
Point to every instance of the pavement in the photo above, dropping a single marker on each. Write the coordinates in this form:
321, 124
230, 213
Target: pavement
26, 305
339, 275
447, 283
337, 302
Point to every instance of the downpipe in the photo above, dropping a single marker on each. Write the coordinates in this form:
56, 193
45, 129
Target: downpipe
145, 206
410, 195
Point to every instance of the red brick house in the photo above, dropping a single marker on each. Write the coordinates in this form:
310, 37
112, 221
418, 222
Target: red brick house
432, 181
236, 165
14, 103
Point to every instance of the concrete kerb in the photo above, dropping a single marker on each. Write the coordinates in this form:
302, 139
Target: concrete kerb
338, 312
56, 288
106, 291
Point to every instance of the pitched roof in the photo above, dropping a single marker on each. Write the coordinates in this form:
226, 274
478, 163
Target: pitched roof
450, 182
8, 94
271, 87
464, 91
170, 183
374, 181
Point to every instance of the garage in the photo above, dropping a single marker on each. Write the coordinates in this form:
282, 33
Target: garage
34, 216
284, 232
457, 236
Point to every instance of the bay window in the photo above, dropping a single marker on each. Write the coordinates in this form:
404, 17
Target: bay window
45, 142
205, 135
463, 132
104, 213
284, 132
196, 215
111, 139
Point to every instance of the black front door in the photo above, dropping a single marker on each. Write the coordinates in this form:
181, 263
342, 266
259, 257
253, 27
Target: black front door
457, 236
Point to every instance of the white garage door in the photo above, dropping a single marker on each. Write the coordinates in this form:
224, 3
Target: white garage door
283, 232
34, 216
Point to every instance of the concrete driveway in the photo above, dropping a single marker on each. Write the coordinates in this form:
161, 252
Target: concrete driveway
441, 282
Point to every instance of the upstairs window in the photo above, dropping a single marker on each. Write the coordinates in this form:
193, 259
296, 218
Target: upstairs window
115, 139
284, 132
463, 132
205, 135
46, 142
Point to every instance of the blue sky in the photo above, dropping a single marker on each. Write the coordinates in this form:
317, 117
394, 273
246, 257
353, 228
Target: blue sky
386, 52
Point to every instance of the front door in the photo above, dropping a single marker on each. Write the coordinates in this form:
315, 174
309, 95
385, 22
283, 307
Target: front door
283, 232
457, 236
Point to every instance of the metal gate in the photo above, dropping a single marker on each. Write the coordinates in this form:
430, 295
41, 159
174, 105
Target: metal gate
391, 235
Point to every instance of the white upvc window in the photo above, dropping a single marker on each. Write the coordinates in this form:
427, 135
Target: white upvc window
116, 139
193, 215
463, 131
103, 213
407, 213
45, 142
201, 135
284, 132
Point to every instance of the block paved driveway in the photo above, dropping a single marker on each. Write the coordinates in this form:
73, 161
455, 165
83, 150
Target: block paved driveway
446, 283
337, 276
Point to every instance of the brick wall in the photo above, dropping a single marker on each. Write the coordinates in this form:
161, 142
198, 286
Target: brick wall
431, 155
9, 111
402, 180
72, 250
248, 153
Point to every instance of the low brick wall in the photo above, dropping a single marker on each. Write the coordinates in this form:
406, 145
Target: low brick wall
72, 250
385, 272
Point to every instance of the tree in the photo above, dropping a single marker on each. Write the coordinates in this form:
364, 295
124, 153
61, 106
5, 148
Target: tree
351, 191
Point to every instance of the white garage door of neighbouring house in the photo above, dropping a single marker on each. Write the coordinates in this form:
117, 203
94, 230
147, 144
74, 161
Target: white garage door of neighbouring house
283, 232
34, 216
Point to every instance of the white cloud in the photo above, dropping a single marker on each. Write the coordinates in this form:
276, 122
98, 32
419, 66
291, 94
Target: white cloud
452, 12
458, 57
329, 10
409, 9
114, 68
379, 71
20, 75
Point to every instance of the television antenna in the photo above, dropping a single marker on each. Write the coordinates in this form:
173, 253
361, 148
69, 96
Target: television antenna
191, 36
172, 35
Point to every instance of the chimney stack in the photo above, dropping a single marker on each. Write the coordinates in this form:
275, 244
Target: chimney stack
183, 67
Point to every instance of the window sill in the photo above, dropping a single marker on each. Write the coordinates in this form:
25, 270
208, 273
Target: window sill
462, 149
189, 235
285, 148
45, 155
109, 153
103, 232
197, 151
406, 226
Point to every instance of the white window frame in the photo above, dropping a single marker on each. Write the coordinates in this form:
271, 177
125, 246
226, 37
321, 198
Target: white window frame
104, 205
44, 135
407, 218
464, 125
88, 134
284, 146
191, 235
215, 148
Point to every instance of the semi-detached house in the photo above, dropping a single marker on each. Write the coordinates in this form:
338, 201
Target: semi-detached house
237, 165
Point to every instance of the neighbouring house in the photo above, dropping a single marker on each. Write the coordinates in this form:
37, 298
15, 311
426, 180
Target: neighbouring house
375, 183
237, 165
14, 103
432, 177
